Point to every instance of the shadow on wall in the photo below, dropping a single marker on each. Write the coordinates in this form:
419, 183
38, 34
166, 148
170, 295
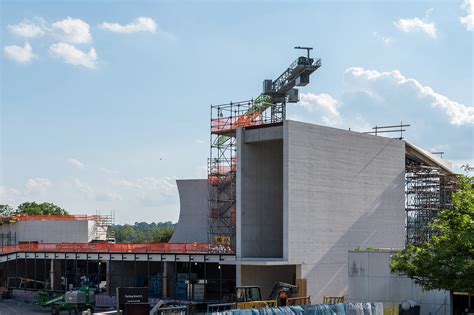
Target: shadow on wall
329, 275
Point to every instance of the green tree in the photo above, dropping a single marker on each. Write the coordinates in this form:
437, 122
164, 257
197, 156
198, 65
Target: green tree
142, 232
446, 261
45, 208
5, 210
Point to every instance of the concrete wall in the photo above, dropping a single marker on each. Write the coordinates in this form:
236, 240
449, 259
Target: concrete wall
260, 193
192, 223
370, 280
266, 276
341, 189
79, 231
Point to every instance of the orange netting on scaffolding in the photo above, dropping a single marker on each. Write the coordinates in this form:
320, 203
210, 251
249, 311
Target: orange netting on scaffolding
24, 217
169, 248
230, 123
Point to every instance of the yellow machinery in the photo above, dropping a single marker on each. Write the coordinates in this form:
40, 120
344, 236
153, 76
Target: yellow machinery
333, 299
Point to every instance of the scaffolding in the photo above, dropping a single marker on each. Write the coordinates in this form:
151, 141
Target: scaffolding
225, 119
268, 108
102, 227
427, 191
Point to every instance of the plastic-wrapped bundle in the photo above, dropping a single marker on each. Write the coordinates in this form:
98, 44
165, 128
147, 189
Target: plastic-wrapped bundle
319, 309
355, 309
339, 308
378, 308
367, 308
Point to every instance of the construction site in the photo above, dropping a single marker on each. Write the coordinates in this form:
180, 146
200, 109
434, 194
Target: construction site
283, 209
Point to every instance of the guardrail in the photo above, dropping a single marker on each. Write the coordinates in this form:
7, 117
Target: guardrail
160, 248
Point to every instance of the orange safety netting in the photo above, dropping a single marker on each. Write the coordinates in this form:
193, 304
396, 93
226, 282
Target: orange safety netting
232, 122
171, 248
24, 217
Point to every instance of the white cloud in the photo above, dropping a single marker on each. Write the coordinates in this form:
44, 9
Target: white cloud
468, 20
387, 40
37, 185
70, 30
20, 54
9, 195
374, 82
108, 171
29, 29
70, 54
141, 24
83, 188
108, 196
149, 191
165, 186
322, 103
417, 25
76, 163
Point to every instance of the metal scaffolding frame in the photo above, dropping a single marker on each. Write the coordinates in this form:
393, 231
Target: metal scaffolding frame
427, 191
225, 119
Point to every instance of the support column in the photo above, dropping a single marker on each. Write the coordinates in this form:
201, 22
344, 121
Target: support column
51, 274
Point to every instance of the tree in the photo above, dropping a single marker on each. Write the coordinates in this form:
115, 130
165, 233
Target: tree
5, 210
45, 208
446, 261
142, 232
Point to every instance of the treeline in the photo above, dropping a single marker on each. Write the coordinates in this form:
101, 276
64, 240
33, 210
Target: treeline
32, 208
142, 232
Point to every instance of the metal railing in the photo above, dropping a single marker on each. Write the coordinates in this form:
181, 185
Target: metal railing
189, 248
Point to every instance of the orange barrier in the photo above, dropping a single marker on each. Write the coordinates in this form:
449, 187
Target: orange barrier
24, 217
232, 122
171, 248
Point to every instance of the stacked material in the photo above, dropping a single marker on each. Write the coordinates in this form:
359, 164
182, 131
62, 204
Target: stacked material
318, 309
156, 286
181, 286
105, 301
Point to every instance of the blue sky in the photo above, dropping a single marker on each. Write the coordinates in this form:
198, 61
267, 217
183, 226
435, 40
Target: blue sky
104, 105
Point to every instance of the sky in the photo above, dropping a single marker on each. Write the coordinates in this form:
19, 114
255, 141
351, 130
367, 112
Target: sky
105, 104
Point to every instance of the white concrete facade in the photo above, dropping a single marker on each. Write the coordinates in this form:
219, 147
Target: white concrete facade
344, 189
54, 231
370, 280
340, 189
192, 223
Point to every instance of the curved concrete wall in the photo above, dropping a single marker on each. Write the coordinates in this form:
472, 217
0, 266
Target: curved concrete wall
192, 223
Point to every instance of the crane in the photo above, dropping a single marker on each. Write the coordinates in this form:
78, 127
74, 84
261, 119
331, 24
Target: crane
276, 93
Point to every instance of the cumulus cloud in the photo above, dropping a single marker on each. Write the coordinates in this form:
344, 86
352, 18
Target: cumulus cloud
108, 171
149, 191
141, 24
322, 103
71, 55
417, 25
76, 163
468, 20
29, 28
9, 195
374, 83
37, 185
20, 54
108, 196
387, 40
83, 188
70, 30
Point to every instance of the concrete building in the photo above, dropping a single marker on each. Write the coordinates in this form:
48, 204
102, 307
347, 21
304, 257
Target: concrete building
370, 279
308, 194
53, 229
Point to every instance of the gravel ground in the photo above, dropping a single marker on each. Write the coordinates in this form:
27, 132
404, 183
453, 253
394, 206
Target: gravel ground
13, 307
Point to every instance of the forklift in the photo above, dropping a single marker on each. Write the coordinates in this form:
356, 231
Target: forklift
253, 293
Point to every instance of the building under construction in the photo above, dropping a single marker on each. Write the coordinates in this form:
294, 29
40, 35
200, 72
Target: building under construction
284, 201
